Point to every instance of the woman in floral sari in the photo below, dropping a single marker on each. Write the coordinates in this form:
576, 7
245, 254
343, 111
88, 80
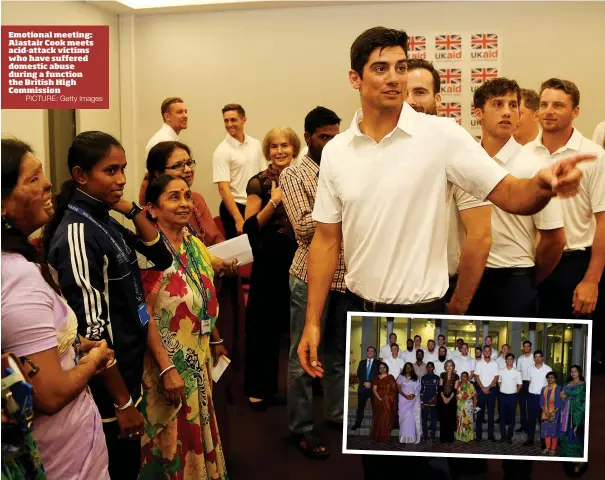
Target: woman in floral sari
181, 439
573, 413
467, 398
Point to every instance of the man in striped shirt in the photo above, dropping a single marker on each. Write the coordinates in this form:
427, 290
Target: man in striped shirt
299, 185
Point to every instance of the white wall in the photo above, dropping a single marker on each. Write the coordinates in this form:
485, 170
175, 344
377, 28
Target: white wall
32, 125
281, 63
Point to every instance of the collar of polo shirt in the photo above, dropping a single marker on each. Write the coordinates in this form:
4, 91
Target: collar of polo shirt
406, 122
508, 151
574, 143
235, 142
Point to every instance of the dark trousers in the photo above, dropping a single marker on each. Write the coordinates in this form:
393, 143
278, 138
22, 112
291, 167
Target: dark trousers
429, 412
486, 402
124, 455
506, 292
363, 395
380, 467
508, 406
522, 398
227, 219
533, 415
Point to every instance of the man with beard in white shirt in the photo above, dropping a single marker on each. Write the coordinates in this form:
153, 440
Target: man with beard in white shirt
385, 350
457, 351
440, 363
409, 354
431, 354
441, 343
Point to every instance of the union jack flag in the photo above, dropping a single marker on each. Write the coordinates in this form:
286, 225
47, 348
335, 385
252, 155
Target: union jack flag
484, 41
451, 76
451, 110
448, 42
417, 44
482, 75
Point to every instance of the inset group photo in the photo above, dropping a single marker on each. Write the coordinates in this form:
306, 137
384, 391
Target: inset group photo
467, 386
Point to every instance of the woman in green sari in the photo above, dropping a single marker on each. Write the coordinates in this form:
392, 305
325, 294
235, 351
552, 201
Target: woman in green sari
573, 413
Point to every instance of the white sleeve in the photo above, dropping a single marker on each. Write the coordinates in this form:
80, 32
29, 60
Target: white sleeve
468, 165
550, 217
328, 206
596, 184
220, 167
465, 201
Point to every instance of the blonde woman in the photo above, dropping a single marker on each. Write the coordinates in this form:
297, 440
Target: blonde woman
273, 244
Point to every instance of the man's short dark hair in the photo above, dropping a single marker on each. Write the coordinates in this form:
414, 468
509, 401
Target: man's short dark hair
479, 347
531, 99
431, 340
417, 336
568, 87
391, 334
234, 106
441, 335
370, 40
538, 352
498, 87
505, 345
463, 344
526, 342
509, 355
395, 345
320, 117
419, 63
168, 102
420, 350
371, 348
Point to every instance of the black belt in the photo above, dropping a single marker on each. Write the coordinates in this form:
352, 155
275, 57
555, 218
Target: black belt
508, 393
514, 271
576, 253
367, 306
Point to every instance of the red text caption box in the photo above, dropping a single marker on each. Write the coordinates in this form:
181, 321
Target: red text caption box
55, 67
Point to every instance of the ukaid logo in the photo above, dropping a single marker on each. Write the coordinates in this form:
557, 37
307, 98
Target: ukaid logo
484, 46
481, 75
451, 80
448, 47
417, 47
451, 110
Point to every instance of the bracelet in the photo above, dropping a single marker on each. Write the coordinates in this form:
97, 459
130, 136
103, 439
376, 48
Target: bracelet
218, 342
273, 203
125, 406
166, 370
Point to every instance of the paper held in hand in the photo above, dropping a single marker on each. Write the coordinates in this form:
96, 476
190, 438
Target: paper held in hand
220, 368
238, 247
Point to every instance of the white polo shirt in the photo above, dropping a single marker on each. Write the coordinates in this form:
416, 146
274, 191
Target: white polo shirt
514, 237
237, 163
578, 211
598, 136
439, 367
395, 365
464, 364
385, 351
537, 378
430, 357
509, 380
487, 371
164, 134
457, 201
391, 197
501, 361
524, 364
408, 356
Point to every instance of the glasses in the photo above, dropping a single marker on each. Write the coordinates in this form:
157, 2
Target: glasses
180, 166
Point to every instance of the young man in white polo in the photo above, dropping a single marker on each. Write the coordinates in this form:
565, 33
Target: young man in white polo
382, 191
175, 117
235, 161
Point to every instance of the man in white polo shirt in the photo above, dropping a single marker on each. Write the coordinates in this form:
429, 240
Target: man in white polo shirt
488, 342
382, 190
524, 363
487, 374
235, 161
385, 350
409, 354
510, 384
394, 361
431, 354
515, 264
468, 219
440, 362
175, 117
572, 290
464, 362
537, 381
441, 343
501, 360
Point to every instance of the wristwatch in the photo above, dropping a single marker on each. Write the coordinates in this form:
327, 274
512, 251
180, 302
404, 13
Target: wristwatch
136, 208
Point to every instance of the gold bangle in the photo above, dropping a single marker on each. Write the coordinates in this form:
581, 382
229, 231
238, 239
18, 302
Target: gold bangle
111, 364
